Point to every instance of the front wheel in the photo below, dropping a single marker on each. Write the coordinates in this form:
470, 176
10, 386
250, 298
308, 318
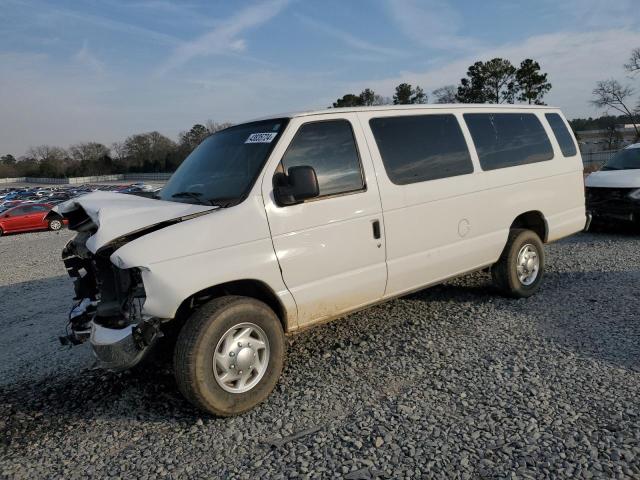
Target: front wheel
519, 270
229, 355
55, 224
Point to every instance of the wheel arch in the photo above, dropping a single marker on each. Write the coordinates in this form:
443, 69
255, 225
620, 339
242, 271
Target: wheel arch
532, 220
251, 288
52, 215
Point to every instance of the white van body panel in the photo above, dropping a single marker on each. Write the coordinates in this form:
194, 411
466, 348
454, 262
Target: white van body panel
614, 179
226, 245
441, 228
329, 259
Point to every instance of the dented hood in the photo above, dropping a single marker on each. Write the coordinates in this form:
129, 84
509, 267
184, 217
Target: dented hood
117, 214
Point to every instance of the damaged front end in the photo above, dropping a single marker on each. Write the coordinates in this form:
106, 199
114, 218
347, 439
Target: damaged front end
110, 297
109, 305
109, 300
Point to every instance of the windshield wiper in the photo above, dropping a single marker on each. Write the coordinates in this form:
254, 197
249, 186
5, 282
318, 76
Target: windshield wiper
195, 195
223, 202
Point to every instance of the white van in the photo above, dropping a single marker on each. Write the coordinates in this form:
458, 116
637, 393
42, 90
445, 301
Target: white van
613, 193
279, 224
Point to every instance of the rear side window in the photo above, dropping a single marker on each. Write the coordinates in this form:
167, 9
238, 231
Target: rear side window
560, 130
508, 139
19, 211
330, 148
422, 147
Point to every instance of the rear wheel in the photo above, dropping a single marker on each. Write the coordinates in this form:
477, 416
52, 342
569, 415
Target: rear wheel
55, 224
1, 232
229, 355
518, 273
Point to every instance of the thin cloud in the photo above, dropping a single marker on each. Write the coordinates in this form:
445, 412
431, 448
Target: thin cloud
166, 11
225, 37
431, 23
349, 39
596, 14
85, 57
53, 15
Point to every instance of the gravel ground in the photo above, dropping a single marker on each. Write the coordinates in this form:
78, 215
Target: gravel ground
450, 382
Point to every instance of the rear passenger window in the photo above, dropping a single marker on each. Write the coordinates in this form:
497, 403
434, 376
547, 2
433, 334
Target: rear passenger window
422, 147
560, 130
328, 147
508, 139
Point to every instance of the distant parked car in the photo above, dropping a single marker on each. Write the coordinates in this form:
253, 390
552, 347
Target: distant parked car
613, 193
28, 218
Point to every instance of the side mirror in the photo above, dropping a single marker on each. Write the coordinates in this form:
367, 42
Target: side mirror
300, 184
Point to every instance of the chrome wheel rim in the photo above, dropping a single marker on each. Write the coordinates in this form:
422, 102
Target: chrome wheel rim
55, 225
241, 358
528, 264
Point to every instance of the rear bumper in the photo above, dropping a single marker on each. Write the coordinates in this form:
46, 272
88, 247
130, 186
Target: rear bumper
588, 222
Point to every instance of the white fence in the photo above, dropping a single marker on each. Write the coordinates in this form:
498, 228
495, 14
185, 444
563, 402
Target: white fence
148, 177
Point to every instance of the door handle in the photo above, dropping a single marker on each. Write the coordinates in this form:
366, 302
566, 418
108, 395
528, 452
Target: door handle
376, 229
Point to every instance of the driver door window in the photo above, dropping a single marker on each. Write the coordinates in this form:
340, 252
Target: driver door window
329, 147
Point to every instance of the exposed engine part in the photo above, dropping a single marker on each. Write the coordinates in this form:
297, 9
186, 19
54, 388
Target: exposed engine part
107, 298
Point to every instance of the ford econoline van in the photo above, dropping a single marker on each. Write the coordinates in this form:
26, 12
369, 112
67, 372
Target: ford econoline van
279, 224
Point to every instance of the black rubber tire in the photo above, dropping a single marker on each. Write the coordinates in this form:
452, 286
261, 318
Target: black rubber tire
1, 232
504, 272
52, 225
193, 354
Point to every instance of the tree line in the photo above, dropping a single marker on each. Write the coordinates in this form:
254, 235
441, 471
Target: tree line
493, 81
143, 152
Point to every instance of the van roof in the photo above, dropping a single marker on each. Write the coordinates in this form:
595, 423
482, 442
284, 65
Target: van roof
430, 106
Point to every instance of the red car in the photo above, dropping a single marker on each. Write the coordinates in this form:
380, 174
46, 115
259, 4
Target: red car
27, 218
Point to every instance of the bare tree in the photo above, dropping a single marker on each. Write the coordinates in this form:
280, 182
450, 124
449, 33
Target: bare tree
611, 94
51, 160
88, 152
213, 127
446, 94
634, 62
119, 151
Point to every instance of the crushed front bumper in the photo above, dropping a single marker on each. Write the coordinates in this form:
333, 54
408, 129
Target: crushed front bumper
119, 349
108, 312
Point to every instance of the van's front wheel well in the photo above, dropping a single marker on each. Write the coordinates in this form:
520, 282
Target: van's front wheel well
534, 221
244, 288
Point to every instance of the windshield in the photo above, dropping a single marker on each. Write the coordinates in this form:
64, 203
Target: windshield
222, 169
627, 159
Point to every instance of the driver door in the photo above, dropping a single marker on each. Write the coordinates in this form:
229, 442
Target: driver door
330, 248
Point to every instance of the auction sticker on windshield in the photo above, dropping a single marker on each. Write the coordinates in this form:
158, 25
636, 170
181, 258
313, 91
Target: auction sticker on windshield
261, 137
